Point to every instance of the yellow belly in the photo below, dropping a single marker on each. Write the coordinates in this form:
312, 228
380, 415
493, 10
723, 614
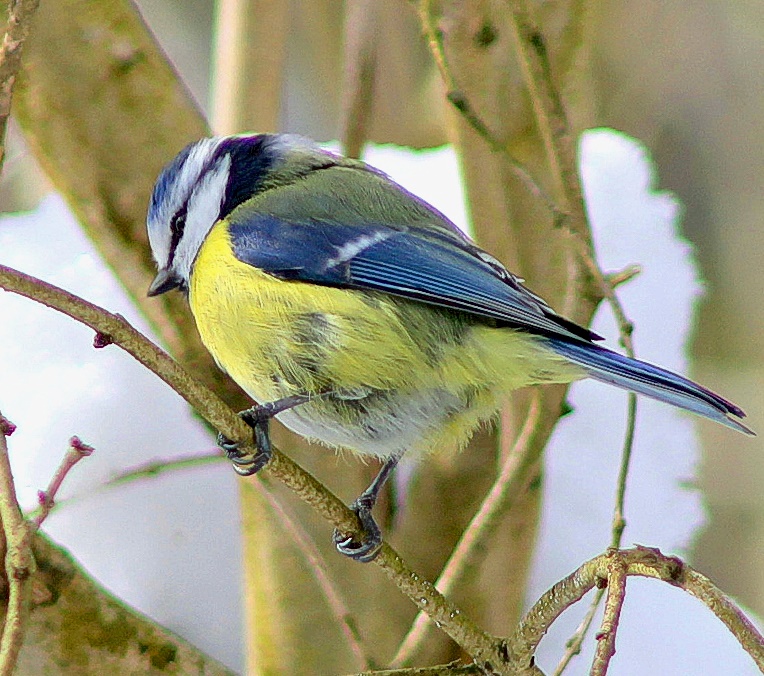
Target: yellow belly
404, 374
278, 337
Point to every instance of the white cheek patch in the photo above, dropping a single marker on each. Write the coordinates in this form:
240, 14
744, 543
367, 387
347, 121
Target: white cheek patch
191, 171
176, 191
202, 213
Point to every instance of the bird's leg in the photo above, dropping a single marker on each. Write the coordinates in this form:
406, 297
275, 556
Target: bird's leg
367, 547
258, 418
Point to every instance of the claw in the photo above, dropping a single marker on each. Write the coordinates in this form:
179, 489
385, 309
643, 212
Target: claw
367, 547
258, 418
247, 464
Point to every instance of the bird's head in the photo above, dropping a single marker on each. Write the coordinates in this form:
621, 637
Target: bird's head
206, 181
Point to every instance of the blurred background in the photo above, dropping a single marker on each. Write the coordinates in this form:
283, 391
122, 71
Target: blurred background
683, 77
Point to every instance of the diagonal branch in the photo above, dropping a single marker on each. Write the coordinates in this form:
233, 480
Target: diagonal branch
112, 328
461, 102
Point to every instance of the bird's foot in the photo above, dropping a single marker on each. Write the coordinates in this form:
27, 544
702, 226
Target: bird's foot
247, 464
258, 418
366, 547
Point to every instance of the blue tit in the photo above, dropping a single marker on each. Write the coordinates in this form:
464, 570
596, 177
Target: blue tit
358, 314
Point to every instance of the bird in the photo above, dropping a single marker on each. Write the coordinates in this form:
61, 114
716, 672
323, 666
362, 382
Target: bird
359, 315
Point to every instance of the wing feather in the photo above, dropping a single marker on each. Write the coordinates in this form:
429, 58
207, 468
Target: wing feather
410, 262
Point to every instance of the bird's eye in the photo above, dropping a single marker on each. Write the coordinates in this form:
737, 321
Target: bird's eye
177, 225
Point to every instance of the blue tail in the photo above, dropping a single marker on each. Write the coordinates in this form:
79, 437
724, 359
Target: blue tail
652, 381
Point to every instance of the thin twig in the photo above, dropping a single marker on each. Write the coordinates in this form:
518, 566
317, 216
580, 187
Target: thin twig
115, 329
456, 96
643, 562
619, 511
625, 329
19, 562
453, 93
615, 279
479, 530
76, 452
147, 470
574, 643
549, 113
153, 469
556, 135
616, 593
606, 288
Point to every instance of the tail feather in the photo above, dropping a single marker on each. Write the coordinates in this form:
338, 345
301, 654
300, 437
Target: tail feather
652, 381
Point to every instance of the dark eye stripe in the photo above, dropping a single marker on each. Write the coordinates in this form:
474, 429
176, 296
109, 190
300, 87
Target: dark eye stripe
177, 226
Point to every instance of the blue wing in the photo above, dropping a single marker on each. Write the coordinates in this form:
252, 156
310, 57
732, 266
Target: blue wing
433, 266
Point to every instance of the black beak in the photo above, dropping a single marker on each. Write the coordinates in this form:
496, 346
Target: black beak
166, 280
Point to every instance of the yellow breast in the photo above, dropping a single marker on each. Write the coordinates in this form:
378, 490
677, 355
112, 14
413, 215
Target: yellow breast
276, 337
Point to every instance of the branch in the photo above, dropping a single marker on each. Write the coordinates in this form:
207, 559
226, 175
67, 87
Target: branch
111, 328
641, 561
77, 451
20, 14
461, 103
19, 562
360, 66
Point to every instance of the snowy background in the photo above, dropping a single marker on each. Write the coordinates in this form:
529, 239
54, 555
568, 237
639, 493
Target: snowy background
53, 384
